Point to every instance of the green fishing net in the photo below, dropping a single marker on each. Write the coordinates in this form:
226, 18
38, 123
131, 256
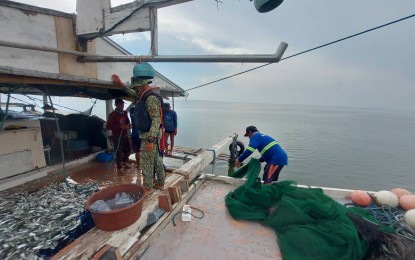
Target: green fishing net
309, 224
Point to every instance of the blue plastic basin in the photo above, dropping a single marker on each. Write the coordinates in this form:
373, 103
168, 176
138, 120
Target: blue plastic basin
105, 157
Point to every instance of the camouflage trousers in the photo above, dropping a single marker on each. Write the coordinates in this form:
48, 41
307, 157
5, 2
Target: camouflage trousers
151, 165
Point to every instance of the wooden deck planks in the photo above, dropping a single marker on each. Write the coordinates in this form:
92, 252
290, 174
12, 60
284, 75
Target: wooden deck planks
93, 240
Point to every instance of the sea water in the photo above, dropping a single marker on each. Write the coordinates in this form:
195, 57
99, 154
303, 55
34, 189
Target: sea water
370, 149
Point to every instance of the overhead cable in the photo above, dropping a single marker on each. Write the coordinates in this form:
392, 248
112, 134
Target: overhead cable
312, 49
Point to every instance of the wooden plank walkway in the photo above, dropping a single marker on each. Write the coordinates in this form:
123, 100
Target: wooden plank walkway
185, 153
130, 241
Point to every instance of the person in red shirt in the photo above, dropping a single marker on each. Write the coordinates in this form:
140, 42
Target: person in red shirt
119, 123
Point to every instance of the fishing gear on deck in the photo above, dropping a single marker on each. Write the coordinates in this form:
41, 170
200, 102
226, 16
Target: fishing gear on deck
198, 217
233, 149
382, 243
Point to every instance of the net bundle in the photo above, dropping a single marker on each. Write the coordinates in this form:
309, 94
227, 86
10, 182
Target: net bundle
309, 224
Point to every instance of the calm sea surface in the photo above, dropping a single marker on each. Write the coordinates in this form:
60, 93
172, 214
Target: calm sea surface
368, 149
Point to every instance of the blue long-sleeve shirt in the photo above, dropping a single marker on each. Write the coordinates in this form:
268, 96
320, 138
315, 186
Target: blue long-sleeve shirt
170, 121
268, 147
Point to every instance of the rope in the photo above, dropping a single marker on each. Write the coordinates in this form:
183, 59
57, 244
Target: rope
312, 49
393, 217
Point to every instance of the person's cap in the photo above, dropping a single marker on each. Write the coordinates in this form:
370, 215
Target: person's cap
250, 128
119, 100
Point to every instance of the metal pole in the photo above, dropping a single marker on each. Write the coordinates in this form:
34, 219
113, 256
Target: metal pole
172, 99
88, 57
247, 58
18, 45
45, 102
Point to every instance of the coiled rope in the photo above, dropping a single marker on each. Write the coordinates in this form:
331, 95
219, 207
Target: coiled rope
393, 217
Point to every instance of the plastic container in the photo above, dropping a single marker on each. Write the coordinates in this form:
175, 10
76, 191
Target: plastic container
66, 135
105, 157
187, 213
120, 218
77, 145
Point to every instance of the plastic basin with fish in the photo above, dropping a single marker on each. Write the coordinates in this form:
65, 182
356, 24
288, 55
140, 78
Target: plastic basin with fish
119, 218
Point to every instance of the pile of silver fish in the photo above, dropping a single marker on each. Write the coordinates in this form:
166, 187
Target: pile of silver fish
40, 219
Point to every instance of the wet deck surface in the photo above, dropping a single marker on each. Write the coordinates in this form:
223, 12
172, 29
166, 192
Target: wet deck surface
216, 235
104, 173
89, 172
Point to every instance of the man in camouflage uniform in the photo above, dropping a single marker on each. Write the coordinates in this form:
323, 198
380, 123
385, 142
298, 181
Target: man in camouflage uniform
151, 160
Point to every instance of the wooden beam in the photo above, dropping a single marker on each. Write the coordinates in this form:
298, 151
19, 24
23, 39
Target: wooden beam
157, 3
22, 76
35, 9
101, 252
68, 65
57, 82
198, 163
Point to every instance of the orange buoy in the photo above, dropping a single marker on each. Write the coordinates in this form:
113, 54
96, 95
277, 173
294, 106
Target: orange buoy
361, 198
407, 202
399, 192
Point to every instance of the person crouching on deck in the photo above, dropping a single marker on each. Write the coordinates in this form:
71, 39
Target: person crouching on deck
272, 153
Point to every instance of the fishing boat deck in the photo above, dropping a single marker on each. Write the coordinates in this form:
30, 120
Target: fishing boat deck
216, 235
92, 171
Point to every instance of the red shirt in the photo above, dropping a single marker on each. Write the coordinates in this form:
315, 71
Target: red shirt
115, 120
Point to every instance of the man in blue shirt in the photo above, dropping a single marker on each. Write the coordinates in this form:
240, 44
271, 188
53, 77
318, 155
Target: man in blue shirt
274, 156
170, 127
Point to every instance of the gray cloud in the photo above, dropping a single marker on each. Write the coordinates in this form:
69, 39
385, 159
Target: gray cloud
372, 70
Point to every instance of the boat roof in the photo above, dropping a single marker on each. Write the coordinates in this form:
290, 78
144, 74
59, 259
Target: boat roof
34, 72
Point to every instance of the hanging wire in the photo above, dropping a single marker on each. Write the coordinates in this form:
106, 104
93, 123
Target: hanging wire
312, 49
25, 102
93, 105
127, 17
33, 98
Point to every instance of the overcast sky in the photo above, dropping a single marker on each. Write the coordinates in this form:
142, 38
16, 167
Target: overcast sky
373, 70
